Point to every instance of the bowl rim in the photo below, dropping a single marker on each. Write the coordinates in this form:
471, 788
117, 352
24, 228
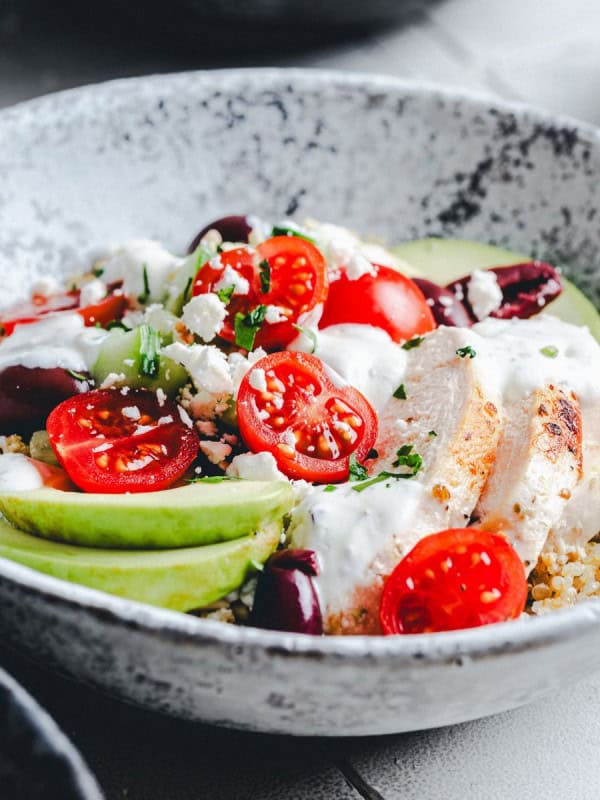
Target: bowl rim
506, 638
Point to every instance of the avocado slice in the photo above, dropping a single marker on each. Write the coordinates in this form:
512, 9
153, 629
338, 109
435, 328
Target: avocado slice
445, 260
197, 514
182, 579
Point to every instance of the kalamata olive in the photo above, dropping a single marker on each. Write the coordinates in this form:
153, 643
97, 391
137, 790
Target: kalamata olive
232, 229
286, 599
446, 308
28, 395
526, 289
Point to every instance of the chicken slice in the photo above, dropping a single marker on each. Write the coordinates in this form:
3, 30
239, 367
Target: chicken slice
452, 419
538, 465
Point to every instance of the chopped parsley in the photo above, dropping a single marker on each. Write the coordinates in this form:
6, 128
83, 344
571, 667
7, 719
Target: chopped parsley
400, 393
330, 488
404, 458
357, 471
79, 376
144, 297
265, 276
550, 351
310, 334
463, 352
187, 292
282, 230
414, 342
431, 433
116, 323
98, 272
226, 294
212, 479
149, 351
246, 326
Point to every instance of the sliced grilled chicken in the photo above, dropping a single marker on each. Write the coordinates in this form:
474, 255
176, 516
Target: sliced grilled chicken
537, 467
451, 417
580, 520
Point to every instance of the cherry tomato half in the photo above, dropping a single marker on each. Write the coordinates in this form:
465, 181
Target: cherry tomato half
310, 425
109, 308
458, 578
387, 300
285, 271
110, 442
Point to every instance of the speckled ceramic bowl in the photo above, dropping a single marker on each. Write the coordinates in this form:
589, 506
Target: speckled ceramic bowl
158, 157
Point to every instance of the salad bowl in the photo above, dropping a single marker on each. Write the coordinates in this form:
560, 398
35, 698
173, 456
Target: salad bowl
157, 157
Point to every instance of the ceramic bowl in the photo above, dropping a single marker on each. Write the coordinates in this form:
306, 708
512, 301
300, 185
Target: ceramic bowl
160, 156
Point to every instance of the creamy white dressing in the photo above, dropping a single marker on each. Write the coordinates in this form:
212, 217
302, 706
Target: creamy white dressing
139, 261
366, 357
56, 340
348, 529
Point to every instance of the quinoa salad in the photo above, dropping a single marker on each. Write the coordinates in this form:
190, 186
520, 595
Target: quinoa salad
292, 428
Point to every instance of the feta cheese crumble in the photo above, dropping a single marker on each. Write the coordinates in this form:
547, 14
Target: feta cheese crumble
483, 293
256, 467
204, 315
231, 278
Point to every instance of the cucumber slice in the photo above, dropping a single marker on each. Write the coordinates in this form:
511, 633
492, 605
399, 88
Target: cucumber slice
134, 355
178, 292
445, 260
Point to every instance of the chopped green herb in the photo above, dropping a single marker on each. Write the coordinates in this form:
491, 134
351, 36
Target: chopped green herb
310, 334
226, 294
74, 287
357, 471
550, 351
212, 479
79, 376
431, 433
246, 326
187, 292
463, 352
372, 454
400, 392
149, 351
412, 343
98, 272
116, 323
330, 488
282, 230
406, 458
143, 298
265, 276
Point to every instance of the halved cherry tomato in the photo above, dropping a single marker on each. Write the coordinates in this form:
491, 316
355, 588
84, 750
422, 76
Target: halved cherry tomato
295, 281
387, 300
311, 425
110, 442
109, 308
458, 578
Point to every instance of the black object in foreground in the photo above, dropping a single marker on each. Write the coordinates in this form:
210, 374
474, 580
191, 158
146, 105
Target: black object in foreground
232, 229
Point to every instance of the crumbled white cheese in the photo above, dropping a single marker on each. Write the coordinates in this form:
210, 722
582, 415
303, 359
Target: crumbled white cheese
255, 466
161, 397
131, 412
483, 293
129, 263
183, 415
206, 364
216, 452
274, 314
204, 316
211, 239
239, 365
216, 263
112, 379
18, 473
92, 292
231, 278
258, 380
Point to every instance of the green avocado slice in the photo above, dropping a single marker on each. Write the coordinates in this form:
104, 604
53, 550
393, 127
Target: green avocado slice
181, 580
445, 260
197, 514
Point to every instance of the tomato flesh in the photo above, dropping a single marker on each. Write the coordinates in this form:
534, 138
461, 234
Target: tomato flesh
295, 282
310, 425
110, 442
109, 308
386, 299
458, 578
